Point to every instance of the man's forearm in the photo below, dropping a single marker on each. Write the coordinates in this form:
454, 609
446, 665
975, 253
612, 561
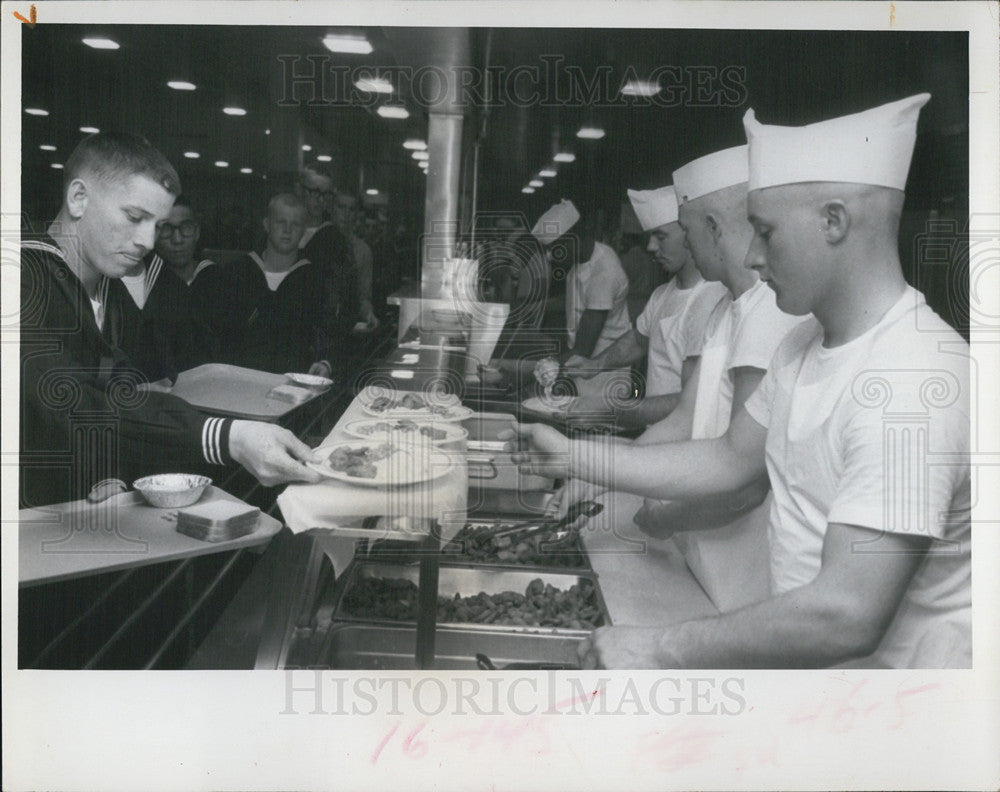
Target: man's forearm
627, 349
800, 629
646, 411
691, 469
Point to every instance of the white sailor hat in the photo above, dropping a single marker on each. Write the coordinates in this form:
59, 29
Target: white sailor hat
654, 208
559, 219
712, 172
871, 147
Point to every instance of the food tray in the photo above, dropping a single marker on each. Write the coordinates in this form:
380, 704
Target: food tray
468, 581
384, 647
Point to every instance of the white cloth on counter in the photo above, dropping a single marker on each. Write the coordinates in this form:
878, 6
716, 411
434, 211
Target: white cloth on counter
332, 504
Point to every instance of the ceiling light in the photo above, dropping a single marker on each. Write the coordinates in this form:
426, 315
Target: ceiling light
373, 85
234, 111
355, 45
267, 131
181, 85
547, 173
640, 88
47, 147
324, 158
371, 191
36, 111
101, 43
527, 190
307, 147
192, 154
246, 170
221, 164
393, 111
420, 155
564, 156
87, 130
536, 183
414, 144
590, 133
56, 165
424, 167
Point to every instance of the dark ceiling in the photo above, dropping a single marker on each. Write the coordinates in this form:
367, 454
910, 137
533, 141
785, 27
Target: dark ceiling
535, 88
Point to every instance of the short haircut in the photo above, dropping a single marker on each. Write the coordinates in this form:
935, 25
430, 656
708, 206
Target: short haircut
288, 199
318, 170
119, 156
183, 200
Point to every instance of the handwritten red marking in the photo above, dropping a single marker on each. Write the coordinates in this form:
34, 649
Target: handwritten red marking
382, 744
415, 749
33, 14
678, 748
578, 699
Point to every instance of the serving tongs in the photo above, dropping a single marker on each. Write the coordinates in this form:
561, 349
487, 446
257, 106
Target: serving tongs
560, 534
485, 664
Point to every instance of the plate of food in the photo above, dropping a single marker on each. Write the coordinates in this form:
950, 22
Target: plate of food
556, 404
384, 403
404, 429
382, 464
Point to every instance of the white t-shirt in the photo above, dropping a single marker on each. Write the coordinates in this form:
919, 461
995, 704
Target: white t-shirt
674, 321
875, 433
741, 332
136, 285
599, 284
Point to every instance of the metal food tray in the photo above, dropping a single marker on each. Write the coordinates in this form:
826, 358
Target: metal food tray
382, 647
467, 581
397, 551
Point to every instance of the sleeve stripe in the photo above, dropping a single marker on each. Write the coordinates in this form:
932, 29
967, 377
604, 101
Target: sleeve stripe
216, 431
210, 440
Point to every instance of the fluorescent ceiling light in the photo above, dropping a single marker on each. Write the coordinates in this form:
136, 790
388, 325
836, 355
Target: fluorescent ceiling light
324, 158
47, 147
267, 131
246, 170
536, 183
221, 164
373, 84
192, 154
371, 191
640, 88
547, 173
181, 85
420, 155
37, 111
393, 111
590, 133
101, 43
56, 165
424, 166
307, 147
88, 130
527, 190
234, 111
564, 156
355, 45
414, 144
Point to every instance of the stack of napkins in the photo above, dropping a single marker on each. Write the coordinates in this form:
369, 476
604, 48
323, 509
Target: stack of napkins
290, 394
218, 521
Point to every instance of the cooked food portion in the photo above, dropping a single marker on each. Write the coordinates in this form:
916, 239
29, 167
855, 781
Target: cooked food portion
408, 402
477, 543
403, 426
541, 605
359, 462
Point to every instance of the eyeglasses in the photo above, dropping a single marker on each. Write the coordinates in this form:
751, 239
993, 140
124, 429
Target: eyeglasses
187, 229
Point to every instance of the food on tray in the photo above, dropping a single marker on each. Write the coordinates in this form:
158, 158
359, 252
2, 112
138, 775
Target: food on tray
403, 426
359, 462
541, 604
408, 402
477, 543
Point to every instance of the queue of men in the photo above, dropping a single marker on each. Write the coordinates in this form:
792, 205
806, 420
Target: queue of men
823, 427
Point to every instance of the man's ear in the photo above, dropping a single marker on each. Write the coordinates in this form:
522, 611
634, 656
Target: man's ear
836, 221
714, 226
77, 196
267, 226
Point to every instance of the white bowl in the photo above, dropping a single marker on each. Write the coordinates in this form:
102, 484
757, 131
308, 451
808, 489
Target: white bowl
172, 490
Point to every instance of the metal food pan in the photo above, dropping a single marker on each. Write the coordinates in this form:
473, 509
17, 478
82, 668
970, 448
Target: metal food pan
467, 581
383, 647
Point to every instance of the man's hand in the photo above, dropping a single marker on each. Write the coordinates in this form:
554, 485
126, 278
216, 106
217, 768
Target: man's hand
582, 367
571, 493
271, 453
547, 371
623, 647
657, 519
538, 449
